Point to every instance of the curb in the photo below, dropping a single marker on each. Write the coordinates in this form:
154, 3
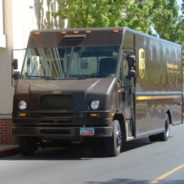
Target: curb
9, 151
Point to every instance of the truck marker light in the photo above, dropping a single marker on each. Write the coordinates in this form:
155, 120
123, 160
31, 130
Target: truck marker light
75, 32
63, 32
163, 97
88, 31
172, 66
94, 114
37, 33
56, 92
112, 114
116, 31
22, 114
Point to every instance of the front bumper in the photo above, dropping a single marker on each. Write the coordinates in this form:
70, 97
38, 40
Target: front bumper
62, 126
64, 132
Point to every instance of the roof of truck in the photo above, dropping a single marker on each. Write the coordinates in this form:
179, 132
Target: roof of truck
121, 29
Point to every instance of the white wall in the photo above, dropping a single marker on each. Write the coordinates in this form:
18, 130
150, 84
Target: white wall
6, 90
17, 19
24, 20
2, 36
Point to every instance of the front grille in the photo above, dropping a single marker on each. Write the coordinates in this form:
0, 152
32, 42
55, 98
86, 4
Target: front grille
55, 132
63, 115
57, 102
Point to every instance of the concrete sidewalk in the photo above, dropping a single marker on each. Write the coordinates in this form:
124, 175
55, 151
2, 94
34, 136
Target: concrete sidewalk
6, 149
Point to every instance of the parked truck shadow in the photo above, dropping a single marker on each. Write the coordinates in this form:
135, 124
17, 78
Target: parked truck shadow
81, 151
132, 181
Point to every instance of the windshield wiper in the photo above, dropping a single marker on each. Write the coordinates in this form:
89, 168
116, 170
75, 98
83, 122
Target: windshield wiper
101, 75
42, 76
91, 76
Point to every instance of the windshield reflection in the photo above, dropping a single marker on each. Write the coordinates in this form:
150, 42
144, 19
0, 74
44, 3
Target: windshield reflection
70, 62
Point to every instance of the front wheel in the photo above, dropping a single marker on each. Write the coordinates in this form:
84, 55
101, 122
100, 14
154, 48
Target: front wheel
27, 145
113, 144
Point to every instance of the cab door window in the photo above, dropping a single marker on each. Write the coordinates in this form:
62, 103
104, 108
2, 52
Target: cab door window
123, 68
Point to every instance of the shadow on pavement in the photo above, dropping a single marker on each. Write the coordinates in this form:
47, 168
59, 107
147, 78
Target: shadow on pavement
120, 181
131, 181
83, 151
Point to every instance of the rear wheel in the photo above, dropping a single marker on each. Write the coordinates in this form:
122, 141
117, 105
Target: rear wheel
27, 145
166, 134
113, 144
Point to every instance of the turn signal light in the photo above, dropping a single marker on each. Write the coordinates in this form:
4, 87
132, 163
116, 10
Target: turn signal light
94, 115
22, 114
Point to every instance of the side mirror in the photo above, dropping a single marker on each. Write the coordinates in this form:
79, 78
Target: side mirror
16, 75
131, 61
131, 66
15, 64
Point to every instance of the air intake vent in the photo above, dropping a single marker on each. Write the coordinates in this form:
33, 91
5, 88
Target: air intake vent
57, 102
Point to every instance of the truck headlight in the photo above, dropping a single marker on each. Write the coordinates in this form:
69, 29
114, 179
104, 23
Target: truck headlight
22, 105
94, 105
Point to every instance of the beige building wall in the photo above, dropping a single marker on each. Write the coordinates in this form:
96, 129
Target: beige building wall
6, 90
17, 19
2, 36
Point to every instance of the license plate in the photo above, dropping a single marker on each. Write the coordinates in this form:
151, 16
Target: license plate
87, 131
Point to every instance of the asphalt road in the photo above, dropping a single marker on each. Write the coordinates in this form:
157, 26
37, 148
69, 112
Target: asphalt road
140, 162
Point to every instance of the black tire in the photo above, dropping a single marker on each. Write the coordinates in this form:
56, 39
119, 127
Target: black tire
113, 144
27, 146
154, 138
166, 134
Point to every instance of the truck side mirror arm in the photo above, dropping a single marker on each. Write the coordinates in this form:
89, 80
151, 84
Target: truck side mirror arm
15, 64
131, 73
16, 75
131, 61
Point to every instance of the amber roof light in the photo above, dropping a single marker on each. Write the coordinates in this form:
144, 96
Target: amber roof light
88, 31
75, 32
37, 33
63, 32
116, 31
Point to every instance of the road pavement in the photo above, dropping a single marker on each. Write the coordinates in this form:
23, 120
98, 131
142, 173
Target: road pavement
141, 162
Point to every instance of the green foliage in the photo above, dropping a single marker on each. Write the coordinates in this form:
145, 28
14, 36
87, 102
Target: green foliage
159, 17
167, 22
91, 13
107, 13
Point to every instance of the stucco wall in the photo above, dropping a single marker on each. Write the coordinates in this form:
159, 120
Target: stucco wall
17, 19
2, 36
6, 90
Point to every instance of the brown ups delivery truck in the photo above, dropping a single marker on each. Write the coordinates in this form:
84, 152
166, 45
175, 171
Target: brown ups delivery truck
115, 84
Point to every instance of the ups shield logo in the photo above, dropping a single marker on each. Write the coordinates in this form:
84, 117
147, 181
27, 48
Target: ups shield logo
142, 63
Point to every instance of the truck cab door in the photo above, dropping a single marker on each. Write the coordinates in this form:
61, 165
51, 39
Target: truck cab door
127, 73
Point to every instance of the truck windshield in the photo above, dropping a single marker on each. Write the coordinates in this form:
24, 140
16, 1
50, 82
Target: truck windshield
70, 62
